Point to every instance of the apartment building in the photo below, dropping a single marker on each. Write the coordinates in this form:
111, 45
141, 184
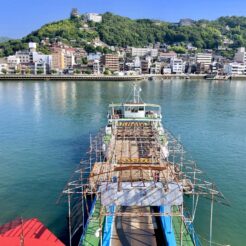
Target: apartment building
235, 68
177, 66
110, 62
62, 58
204, 58
144, 52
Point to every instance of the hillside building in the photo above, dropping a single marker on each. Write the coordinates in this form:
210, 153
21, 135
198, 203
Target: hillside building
94, 17
204, 58
240, 55
74, 13
3, 67
63, 58
167, 56
186, 22
144, 52
110, 62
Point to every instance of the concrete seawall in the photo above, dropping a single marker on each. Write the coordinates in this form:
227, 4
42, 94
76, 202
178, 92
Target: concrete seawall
14, 77
69, 77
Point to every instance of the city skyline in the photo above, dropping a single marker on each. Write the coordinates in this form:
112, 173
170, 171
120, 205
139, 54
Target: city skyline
28, 17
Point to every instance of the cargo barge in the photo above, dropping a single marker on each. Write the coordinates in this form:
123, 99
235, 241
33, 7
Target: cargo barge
133, 187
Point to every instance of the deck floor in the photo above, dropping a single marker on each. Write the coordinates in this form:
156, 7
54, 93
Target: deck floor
134, 231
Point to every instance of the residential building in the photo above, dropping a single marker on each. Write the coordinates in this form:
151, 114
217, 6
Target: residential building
13, 64
110, 62
136, 62
79, 54
235, 68
58, 60
13, 60
3, 68
177, 66
144, 52
62, 57
167, 70
41, 67
145, 65
156, 68
240, 55
94, 56
69, 59
167, 56
96, 67
204, 58
28, 60
41, 58
94, 17
24, 56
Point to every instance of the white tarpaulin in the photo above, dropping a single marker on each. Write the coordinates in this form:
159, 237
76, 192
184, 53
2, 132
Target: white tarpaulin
136, 194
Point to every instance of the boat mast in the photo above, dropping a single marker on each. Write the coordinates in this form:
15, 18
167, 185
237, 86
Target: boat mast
136, 94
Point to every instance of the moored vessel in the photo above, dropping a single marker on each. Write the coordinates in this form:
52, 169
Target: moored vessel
131, 190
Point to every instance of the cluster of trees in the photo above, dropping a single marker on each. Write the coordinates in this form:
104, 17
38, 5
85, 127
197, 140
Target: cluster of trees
121, 31
11, 46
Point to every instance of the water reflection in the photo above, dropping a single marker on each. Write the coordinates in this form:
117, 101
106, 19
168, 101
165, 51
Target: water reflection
210, 117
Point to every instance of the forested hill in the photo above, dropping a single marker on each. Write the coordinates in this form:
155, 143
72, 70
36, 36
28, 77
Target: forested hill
121, 31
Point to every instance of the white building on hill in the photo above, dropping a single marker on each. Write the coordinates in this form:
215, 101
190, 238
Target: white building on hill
94, 17
144, 52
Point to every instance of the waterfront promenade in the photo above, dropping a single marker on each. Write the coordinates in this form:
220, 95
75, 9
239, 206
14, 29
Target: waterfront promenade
69, 77
14, 77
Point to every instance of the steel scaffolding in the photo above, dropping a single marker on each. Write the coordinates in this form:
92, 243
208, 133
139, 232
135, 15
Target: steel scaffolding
134, 156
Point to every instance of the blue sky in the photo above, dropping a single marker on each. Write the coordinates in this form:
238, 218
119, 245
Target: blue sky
20, 17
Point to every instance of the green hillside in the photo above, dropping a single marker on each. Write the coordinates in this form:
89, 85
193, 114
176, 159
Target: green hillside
121, 31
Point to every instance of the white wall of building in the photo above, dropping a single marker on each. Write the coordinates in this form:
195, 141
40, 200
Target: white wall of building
235, 68
93, 17
13, 60
144, 51
177, 66
204, 58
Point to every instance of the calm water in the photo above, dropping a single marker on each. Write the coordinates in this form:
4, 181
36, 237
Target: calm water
44, 130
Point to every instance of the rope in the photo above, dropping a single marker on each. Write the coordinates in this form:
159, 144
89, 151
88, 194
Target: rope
213, 243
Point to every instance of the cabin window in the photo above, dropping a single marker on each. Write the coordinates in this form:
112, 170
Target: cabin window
134, 109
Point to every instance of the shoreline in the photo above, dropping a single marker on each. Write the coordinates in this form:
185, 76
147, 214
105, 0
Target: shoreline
109, 78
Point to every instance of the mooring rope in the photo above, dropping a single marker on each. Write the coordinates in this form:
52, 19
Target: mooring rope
213, 243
